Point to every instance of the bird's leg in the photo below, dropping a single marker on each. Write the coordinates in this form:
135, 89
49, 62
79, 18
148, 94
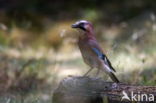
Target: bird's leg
97, 73
87, 72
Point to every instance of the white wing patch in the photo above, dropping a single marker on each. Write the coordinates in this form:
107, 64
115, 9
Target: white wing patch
106, 63
108, 68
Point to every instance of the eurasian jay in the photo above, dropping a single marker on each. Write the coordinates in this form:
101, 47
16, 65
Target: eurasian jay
91, 51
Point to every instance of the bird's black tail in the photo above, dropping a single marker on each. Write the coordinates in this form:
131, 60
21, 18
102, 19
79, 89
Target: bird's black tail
113, 77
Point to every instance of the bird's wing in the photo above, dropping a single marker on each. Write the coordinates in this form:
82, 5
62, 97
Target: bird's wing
98, 51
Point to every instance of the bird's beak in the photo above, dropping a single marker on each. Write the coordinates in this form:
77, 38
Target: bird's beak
74, 26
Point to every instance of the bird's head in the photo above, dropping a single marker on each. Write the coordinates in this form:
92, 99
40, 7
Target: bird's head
84, 25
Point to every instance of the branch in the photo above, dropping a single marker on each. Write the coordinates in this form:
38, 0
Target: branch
93, 90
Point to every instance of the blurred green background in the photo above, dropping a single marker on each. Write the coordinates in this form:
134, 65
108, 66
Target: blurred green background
38, 47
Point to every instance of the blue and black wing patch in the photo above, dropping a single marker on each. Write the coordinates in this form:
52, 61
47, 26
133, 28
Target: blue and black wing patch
98, 53
103, 57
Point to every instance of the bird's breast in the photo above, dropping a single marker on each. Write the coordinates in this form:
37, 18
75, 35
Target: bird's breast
88, 56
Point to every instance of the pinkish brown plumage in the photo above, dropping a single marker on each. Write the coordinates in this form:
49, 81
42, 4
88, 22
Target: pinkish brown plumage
91, 51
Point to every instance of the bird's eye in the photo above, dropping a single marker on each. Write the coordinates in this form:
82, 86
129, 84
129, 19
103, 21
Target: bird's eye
82, 24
